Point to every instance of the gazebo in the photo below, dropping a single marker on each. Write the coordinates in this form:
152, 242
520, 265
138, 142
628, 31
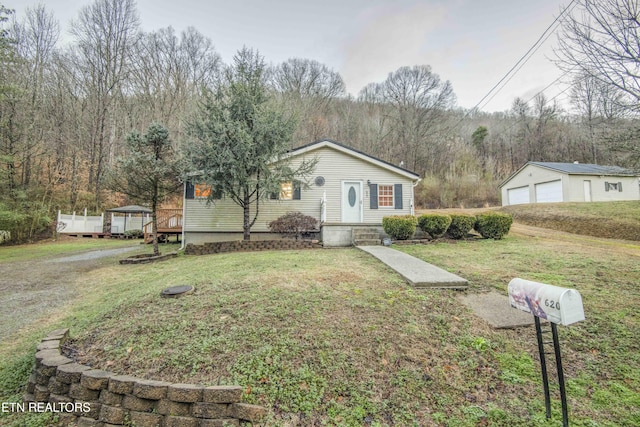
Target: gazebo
132, 217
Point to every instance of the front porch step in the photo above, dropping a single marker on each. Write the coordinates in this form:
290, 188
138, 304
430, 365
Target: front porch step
365, 236
367, 242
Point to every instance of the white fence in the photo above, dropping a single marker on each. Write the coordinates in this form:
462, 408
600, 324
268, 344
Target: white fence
75, 224
69, 224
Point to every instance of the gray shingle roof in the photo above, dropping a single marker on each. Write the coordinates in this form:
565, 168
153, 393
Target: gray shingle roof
585, 168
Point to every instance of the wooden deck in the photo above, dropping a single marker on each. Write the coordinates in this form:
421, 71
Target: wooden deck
169, 224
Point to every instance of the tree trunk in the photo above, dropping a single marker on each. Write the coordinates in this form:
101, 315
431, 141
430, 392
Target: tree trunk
154, 225
246, 225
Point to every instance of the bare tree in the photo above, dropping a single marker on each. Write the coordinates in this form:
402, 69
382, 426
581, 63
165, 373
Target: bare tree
105, 33
419, 100
601, 41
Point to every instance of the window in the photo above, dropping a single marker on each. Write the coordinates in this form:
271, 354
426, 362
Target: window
385, 196
202, 191
612, 186
286, 191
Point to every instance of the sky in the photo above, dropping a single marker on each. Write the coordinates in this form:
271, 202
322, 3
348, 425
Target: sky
471, 43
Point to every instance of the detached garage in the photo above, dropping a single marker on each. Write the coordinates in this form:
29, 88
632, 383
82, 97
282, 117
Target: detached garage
550, 182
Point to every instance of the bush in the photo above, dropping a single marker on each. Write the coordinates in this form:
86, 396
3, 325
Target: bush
434, 224
400, 227
294, 223
134, 234
460, 225
493, 225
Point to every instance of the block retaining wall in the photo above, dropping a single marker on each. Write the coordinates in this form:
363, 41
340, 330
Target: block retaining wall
91, 397
251, 245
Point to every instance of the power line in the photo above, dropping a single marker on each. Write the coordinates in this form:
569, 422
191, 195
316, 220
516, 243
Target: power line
519, 64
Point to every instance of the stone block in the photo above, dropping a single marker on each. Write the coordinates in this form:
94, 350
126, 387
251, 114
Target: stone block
149, 389
168, 407
70, 373
41, 379
137, 404
88, 422
171, 421
222, 394
122, 384
41, 393
184, 393
95, 379
222, 422
79, 392
57, 387
28, 397
58, 334
31, 384
59, 398
44, 354
209, 410
145, 419
93, 409
112, 414
66, 419
49, 365
49, 345
247, 412
109, 398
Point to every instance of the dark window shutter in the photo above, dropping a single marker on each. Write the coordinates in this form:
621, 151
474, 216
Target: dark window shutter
397, 196
606, 186
620, 187
373, 193
190, 190
273, 196
296, 190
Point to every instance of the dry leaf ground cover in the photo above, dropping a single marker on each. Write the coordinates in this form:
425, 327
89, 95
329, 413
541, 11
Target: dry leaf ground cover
332, 337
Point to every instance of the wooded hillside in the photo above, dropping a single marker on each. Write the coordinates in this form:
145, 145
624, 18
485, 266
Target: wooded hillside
65, 112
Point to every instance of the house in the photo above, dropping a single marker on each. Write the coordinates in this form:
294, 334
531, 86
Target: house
546, 182
348, 189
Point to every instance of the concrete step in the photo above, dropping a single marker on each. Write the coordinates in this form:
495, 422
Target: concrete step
367, 236
367, 242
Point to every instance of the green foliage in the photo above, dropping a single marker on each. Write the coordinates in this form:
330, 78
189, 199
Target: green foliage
460, 225
294, 223
241, 138
434, 224
22, 222
400, 227
134, 234
493, 225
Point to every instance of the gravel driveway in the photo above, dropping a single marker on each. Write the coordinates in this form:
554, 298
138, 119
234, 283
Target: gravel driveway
30, 290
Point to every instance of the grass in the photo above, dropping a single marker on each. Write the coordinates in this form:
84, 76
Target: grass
331, 337
616, 220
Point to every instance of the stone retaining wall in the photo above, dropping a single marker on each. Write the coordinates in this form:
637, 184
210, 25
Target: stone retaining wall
251, 245
92, 397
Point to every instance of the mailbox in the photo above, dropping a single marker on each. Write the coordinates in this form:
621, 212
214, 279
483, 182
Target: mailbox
555, 304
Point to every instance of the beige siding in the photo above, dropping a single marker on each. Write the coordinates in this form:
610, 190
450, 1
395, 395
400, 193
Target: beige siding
573, 185
336, 167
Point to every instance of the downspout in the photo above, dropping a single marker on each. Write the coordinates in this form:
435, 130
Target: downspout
413, 197
184, 216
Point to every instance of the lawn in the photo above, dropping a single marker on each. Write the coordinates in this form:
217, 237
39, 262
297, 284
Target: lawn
332, 337
616, 220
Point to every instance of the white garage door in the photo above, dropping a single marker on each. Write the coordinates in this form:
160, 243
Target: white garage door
549, 192
518, 196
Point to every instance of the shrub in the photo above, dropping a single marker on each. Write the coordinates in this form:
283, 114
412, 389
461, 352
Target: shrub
460, 225
493, 225
294, 223
434, 224
400, 227
134, 234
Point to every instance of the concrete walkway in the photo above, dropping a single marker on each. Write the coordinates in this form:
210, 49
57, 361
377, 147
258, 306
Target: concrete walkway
418, 273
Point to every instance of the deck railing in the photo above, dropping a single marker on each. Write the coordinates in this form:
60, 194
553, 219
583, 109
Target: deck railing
169, 221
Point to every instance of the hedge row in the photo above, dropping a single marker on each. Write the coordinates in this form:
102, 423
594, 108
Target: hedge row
490, 225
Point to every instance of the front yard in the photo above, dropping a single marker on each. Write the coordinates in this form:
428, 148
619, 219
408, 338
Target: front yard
332, 337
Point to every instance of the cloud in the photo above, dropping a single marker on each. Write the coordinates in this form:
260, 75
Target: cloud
386, 38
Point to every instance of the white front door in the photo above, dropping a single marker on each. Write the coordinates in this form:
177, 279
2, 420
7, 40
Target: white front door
352, 201
587, 190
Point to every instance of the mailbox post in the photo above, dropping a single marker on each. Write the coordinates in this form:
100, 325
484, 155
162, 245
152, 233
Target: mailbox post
557, 305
